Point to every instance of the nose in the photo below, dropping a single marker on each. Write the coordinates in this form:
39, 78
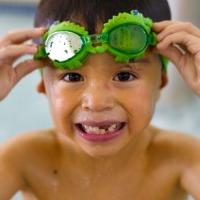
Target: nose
97, 98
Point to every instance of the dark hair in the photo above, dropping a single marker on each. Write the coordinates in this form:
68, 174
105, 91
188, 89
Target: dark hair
90, 12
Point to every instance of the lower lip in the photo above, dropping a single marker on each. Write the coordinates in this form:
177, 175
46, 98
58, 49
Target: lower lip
101, 137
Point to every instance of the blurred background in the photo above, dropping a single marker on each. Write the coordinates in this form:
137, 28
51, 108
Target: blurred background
24, 109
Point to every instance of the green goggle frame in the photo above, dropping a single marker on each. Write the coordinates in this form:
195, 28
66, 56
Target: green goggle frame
127, 36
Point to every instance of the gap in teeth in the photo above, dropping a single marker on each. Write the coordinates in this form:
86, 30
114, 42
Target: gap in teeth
98, 130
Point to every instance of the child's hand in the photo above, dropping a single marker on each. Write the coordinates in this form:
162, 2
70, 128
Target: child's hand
12, 46
180, 42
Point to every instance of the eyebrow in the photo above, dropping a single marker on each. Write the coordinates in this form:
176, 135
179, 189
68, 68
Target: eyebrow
131, 66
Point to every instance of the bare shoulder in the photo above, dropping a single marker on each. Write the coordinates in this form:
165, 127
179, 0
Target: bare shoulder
25, 155
178, 145
30, 138
25, 146
179, 152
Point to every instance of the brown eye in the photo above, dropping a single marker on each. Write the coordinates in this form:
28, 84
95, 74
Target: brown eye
72, 77
124, 76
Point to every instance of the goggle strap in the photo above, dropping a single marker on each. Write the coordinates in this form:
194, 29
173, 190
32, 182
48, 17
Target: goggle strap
41, 53
165, 62
152, 39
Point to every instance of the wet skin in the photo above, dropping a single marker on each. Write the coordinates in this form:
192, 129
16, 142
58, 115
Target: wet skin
97, 93
143, 162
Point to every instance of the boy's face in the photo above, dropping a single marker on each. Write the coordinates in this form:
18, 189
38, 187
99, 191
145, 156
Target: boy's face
104, 93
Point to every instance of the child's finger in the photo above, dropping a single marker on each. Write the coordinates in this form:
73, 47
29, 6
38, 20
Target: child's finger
160, 26
191, 42
26, 67
20, 36
172, 53
14, 51
177, 27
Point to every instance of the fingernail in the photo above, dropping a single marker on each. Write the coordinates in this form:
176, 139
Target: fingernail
161, 47
33, 49
159, 37
40, 29
155, 24
43, 28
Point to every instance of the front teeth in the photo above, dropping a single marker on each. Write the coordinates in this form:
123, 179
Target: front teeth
97, 130
112, 128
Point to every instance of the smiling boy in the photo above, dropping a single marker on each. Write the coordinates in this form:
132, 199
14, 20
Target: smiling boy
102, 145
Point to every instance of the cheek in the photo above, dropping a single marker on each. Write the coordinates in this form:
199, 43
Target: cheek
62, 102
140, 103
144, 101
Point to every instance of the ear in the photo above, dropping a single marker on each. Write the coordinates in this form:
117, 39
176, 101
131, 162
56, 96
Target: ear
163, 83
164, 79
41, 87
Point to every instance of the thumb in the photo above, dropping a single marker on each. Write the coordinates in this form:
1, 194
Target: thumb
172, 53
26, 67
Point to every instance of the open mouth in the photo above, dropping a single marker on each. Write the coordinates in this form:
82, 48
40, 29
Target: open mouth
100, 131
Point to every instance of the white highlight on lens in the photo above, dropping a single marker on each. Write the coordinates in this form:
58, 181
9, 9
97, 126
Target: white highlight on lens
63, 45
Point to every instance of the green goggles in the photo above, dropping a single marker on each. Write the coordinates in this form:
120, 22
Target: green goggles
127, 36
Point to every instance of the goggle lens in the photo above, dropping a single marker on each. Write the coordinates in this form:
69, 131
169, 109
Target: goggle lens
62, 46
128, 38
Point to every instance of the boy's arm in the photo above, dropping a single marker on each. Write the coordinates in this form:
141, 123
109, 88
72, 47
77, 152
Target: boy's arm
12, 47
180, 42
190, 181
10, 177
190, 167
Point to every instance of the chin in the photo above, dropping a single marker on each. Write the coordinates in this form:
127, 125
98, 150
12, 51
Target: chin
107, 149
99, 152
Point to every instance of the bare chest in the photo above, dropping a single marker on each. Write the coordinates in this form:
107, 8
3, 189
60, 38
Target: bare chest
158, 184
